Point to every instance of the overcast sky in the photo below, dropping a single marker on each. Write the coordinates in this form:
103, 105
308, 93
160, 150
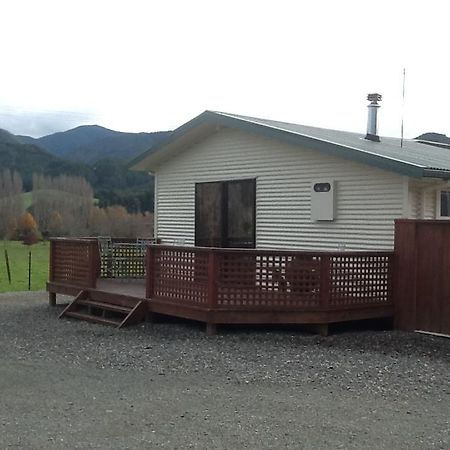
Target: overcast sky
152, 65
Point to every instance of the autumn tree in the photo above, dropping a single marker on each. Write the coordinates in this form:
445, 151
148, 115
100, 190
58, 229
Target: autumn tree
115, 221
27, 229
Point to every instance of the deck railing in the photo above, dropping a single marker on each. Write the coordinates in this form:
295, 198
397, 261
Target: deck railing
237, 279
74, 262
240, 285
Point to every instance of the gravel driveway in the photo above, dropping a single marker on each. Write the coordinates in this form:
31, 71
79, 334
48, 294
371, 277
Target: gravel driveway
67, 384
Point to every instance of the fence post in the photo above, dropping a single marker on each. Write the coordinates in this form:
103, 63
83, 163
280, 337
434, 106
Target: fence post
405, 277
29, 270
8, 270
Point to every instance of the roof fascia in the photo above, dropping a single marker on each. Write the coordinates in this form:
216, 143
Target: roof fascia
436, 173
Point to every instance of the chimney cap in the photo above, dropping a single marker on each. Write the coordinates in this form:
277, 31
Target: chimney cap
374, 98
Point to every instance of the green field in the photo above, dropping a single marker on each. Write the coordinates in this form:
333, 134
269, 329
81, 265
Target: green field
18, 261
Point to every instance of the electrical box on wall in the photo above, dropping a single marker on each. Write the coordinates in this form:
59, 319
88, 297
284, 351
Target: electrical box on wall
322, 200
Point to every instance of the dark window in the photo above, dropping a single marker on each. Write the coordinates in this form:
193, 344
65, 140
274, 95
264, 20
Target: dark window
445, 203
225, 214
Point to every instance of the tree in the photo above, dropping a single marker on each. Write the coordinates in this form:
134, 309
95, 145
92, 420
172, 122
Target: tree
11, 201
71, 197
27, 229
55, 225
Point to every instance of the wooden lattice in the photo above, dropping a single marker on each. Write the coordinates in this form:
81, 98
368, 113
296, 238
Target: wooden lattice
269, 280
360, 279
127, 260
73, 261
180, 275
265, 280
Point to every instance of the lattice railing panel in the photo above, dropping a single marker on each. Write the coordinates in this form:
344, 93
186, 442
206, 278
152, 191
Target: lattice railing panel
73, 262
360, 279
180, 275
128, 260
268, 280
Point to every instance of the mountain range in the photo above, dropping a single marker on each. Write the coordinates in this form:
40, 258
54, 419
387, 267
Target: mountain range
29, 158
90, 143
96, 153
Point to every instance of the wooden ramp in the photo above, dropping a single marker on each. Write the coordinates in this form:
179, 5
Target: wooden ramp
106, 308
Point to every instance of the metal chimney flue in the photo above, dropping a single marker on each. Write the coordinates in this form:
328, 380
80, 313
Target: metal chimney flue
372, 125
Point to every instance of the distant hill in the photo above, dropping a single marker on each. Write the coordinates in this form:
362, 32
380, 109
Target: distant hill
113, 182
434, 138
7, 138
90, 143
28, 159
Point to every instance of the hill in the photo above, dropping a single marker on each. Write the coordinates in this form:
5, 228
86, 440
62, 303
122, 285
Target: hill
90, 143
27, 159
434, 138
7, 138
112, 181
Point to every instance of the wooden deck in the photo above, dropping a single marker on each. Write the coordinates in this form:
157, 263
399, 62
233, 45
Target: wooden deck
130, 287
219, 286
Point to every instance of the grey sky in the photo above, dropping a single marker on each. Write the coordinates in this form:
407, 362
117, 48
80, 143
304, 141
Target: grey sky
146, 65
39, 123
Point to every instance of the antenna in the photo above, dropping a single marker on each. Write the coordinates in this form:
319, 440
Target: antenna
403, 107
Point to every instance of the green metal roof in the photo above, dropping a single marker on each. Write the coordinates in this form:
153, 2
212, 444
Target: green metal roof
413, 159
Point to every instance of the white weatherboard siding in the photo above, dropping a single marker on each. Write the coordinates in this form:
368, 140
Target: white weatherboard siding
367, 199
415, 200
423, 198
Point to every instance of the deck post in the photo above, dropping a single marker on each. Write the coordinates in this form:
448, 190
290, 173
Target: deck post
51, 261
213, 267
322, 329
325, 281
52, 298
51, 295
325, 290
211, 329
92, 263
149, 271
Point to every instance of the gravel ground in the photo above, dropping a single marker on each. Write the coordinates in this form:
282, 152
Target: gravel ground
69, 384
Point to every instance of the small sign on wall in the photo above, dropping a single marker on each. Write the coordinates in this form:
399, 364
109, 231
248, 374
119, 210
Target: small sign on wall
322, 200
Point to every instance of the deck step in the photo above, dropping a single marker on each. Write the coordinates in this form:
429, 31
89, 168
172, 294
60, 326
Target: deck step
118, 311
107, 306
92, 318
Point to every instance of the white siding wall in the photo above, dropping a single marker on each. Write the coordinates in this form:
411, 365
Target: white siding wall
367, 199
422, 194
415, 200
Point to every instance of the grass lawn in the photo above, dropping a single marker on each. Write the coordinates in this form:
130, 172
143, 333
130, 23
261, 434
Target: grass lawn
18, 262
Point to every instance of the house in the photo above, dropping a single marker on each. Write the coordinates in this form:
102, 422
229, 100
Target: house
278, 223
226, 180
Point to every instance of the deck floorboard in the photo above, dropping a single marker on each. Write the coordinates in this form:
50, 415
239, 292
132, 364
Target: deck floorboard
130, 287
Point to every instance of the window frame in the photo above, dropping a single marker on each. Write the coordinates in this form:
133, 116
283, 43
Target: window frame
224, 205
439, 204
